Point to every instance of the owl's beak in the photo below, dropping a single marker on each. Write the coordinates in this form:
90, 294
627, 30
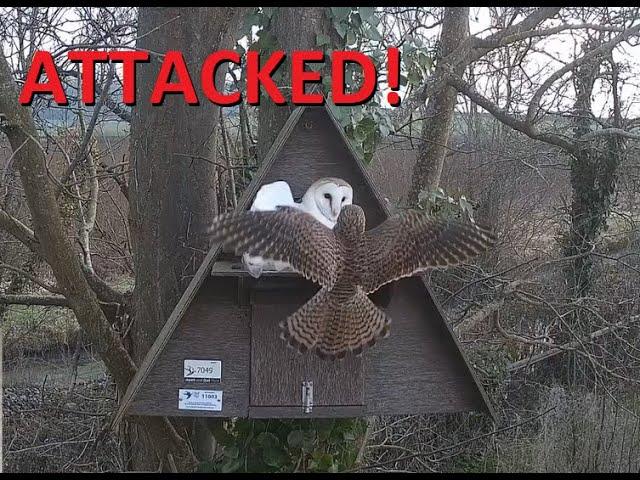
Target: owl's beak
335, 211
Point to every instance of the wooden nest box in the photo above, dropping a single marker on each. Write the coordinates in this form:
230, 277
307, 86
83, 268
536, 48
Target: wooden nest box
220, 355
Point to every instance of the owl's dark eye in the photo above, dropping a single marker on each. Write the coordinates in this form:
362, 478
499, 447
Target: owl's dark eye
327, 196
343, 199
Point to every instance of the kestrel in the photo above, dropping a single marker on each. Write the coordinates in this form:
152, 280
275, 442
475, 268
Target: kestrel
348, 263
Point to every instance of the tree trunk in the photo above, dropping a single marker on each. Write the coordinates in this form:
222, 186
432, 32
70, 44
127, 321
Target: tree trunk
593, 175
49, 240
16, 255
173, 195
294, 29
594, 168
440, 108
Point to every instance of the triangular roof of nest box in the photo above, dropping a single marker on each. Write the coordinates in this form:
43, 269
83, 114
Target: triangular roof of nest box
244, 203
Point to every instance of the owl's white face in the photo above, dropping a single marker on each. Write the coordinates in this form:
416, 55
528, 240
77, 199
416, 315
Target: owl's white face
331, 196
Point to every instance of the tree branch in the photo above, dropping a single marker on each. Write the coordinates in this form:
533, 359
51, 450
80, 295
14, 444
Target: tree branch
606, 47
20, 231
520, 364
105, 292
37, 281
608, 131
514, 33
51, 301
507, 118
80, 156
49, 229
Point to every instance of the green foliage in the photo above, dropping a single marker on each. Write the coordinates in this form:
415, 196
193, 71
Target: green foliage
365, 124
318, 445
355, 28
441, 203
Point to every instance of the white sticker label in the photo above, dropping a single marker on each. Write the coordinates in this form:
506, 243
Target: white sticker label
202, 371
200, 400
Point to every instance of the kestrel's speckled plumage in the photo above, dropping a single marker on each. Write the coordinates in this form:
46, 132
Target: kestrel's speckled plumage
348, 263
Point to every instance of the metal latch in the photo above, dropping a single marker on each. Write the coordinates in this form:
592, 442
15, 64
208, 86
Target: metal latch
307, 396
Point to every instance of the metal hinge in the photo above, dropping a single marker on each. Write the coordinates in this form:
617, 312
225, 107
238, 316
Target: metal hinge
307, 396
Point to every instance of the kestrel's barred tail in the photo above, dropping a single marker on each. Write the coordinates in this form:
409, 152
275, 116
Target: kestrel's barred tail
302, 328
333, 327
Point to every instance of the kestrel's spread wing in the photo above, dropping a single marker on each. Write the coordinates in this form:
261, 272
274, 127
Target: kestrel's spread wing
412, 241
340, 318
287, 234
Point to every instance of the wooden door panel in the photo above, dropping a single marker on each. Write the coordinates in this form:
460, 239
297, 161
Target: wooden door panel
277, 370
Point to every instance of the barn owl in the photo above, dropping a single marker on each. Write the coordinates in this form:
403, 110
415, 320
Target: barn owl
348, 263
323, 200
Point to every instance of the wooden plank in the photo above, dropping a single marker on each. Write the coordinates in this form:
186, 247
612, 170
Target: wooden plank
266, 164
487, 405
202, 272
213, 328
277, 370
235, 268
164, 335
417, 369
316, 412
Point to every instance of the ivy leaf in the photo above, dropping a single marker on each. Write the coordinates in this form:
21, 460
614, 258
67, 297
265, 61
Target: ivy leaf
322, 39
275, 457
232, 465
252, 19
267, 439
322, 462
408, 48
351, 38
231, 452
374, 20
259, 426
325, 427
244, 426
414, 76
366, 13
239, 49
266, 43
341, 13
424, 60
309, 440
327, 84
374, 34
295, 438
356, 21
